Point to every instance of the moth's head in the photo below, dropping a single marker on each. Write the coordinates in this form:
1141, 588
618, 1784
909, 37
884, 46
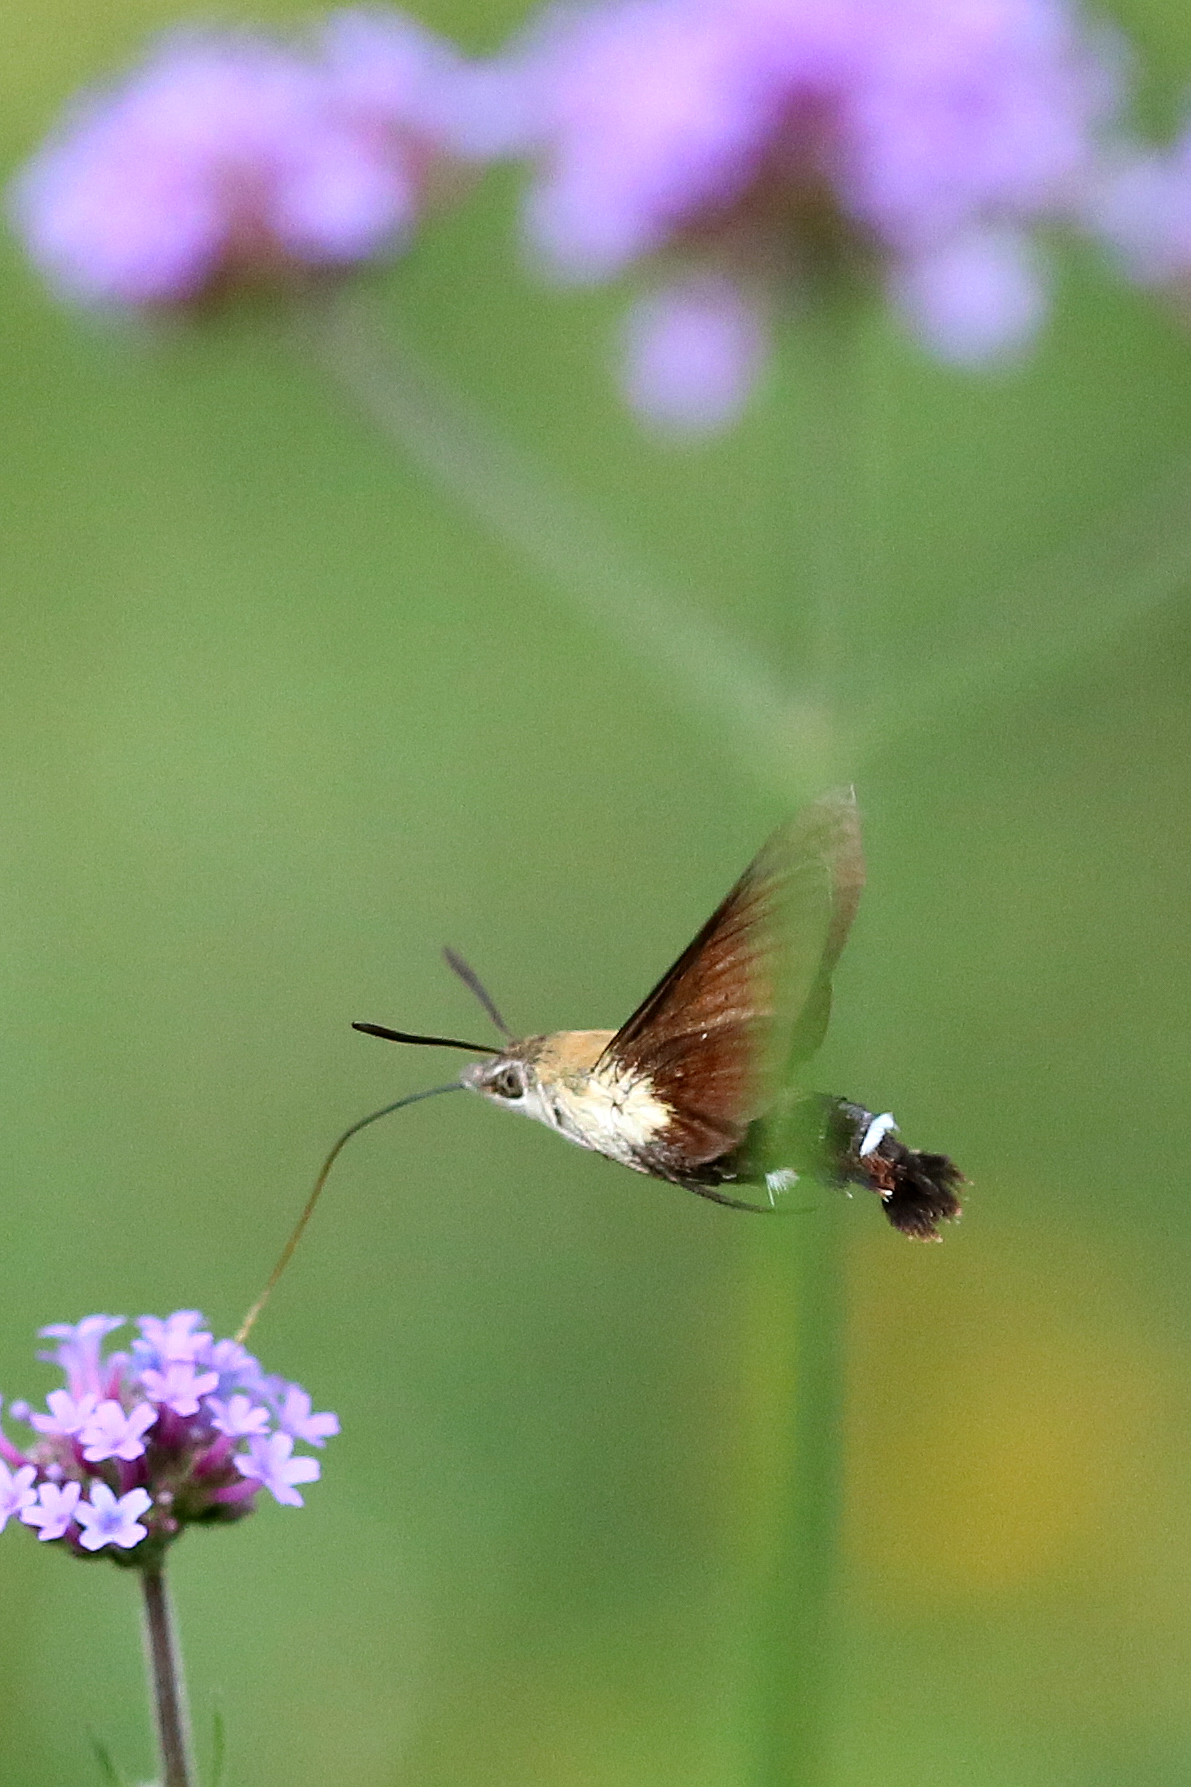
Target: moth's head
508, 1077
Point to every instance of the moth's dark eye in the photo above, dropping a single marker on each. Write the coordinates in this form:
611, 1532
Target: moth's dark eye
507, 1083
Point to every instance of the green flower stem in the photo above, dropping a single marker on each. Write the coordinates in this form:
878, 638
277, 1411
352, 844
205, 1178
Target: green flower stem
167, 1687
785, 732
782, 736
1129, 562
798, 1599
798, 1603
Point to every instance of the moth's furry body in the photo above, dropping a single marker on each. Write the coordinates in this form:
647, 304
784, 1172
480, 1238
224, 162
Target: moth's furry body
697, 1086
571, 1088
568, 1083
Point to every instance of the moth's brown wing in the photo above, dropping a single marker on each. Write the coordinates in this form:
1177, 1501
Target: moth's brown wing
751, 995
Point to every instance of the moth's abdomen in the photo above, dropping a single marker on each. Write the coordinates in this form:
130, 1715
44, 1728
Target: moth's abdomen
839, 1143
918, 1190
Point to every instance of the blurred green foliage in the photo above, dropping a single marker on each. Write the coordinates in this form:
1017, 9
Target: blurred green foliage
278, 719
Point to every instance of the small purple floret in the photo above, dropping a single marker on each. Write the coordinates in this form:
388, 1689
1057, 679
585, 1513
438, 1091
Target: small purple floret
179, 1386
976, 299
235, 1367
53, 1510
1142, 210
693, 352
238, 1417
78, 1351
107, 1521
16, 1491
295, 1418
67, 1415
111, 1433
172, 1341
269, 1461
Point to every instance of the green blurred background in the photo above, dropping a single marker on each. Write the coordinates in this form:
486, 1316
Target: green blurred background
278, 719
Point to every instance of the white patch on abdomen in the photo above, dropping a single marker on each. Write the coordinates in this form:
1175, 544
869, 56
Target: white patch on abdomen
875, 1134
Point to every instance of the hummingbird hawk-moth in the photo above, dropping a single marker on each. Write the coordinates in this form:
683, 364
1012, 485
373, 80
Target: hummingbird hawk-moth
700, 1086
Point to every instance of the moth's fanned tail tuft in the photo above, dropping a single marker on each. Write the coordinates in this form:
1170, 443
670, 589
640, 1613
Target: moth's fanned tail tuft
924, 1192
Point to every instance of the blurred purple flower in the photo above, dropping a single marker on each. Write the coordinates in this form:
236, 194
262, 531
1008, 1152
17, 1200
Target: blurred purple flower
752, 139
107, 1521
693, 351
268, 1460
1142, 210
396, 76
975, 298
158, 1451
228, 158
234, 1366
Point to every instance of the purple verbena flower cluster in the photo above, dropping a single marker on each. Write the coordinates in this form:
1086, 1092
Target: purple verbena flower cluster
140, 1444
738, 147
729, 149
230, 159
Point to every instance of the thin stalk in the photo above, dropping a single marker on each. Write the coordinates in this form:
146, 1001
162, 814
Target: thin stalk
1127, 564
774, 727
785, 732
798, 1602
167, 1686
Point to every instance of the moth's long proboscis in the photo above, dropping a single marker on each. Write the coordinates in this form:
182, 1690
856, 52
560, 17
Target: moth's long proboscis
287, 1251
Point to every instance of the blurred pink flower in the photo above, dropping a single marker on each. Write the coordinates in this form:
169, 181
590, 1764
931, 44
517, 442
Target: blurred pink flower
975, 297
693, 350
228, 157
1142, 210
921, 140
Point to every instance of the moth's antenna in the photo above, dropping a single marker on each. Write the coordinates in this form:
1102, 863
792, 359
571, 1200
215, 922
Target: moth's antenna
308, 1208
471, 979
438, 1042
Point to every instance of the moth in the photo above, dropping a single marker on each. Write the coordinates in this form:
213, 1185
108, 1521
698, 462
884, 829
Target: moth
701, 1086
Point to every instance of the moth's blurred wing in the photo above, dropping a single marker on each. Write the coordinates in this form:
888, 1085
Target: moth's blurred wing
823, 895
750, 997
